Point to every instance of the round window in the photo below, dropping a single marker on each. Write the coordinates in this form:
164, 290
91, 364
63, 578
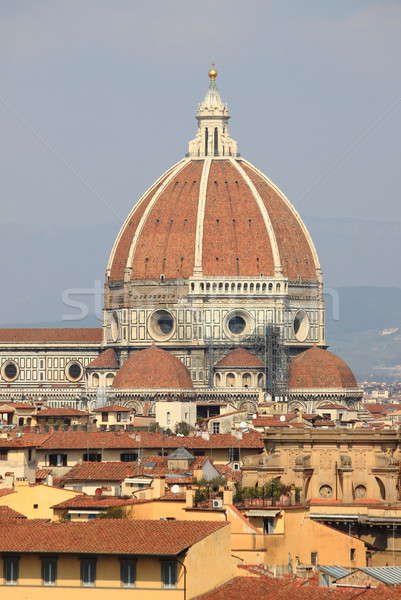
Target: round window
161, 324
360, 491
9, 371
326, 491
115, 327
74, 371
236, 324
301, 325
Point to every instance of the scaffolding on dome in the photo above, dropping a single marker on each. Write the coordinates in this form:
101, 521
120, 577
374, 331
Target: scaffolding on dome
267, 344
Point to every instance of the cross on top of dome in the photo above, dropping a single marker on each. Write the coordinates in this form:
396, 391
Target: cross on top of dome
212, 138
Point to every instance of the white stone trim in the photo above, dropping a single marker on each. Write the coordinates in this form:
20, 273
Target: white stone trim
296, 215
201, 216
134, 208
278, 270
177, 168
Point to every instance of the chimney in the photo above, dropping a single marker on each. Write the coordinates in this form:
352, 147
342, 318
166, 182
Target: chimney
189, 498
49, 479
159, 487
9, 480
227, 496
237, 434
205, 435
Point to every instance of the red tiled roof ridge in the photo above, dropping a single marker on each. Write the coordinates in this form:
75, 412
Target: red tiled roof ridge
48, 412
100, 471
54, 334
113, 408
107, 359
240, 357
106, 536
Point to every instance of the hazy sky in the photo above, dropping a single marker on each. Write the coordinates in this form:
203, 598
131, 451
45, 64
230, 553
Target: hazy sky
98, 97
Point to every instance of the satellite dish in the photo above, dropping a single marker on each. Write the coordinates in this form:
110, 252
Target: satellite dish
175, 489
282, 418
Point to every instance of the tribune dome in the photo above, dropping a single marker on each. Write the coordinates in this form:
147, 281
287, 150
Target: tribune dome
153, 368
318, 369
213, 214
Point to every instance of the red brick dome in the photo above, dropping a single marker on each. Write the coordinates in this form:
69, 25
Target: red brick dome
153, 368
320, 369
217, 216
240, 358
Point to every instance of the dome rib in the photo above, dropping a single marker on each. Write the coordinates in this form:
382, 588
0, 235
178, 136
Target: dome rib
251, 169
132, 261
213, 217
235, 239
118, 260
265, 214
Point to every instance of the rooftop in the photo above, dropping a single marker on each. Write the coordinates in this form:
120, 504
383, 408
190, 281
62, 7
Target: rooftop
105, 536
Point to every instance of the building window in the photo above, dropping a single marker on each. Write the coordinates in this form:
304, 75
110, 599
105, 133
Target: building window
129, 456
352, 554
92, 457
118, 417
49, 571
57, 460
11, 570
36, 506
268, 525
128, 572
169, 573
313, 558
3, 454
88, 572
105, 417
216, 427
233, 454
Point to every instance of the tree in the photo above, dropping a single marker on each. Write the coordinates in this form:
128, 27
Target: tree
184, 428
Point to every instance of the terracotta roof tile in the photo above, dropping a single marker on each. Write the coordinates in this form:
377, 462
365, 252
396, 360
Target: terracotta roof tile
99, 471
320, 369
145, 439
67, 334
283, 588
9, 514
106, 360
106, 536
27, 440
167, 240
240, 357
6, 491
83, 501
113, 408
153, 368
61, 412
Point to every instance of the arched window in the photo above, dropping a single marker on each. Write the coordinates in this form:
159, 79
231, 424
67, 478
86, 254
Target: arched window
230, 380
278, 287
206, 140
270, 287
217, 380
95, 380
246, 380
216, 142
109, 379
260, 380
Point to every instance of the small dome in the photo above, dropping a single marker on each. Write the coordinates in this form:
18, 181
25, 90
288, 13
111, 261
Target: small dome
106, 360
320, 369
153, 368
240, 358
